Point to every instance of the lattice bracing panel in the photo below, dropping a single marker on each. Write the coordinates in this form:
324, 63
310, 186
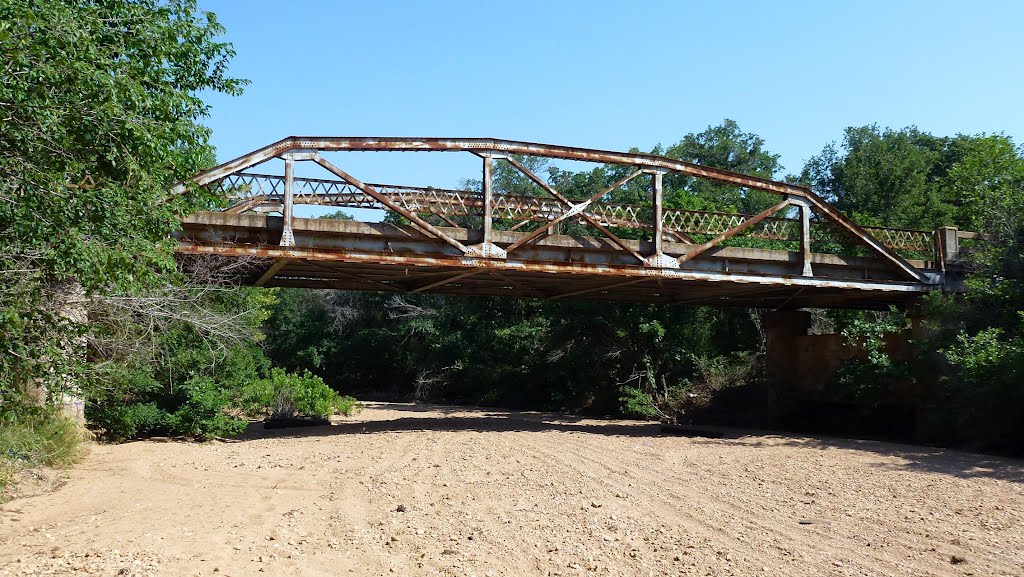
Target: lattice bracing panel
903, 239
249, 191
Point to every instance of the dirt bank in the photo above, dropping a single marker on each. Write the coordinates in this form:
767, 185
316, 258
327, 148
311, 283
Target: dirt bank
436, 491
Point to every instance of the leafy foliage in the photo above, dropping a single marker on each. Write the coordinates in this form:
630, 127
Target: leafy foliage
101, 107
868, 378
912, 179
512, 352
968, 364
292, 395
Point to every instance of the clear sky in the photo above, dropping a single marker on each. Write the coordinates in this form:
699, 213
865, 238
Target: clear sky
613, 75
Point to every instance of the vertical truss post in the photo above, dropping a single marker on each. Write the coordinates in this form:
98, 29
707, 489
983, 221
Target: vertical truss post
287, 235
805, 237
656, 200
487, 248
488, 192
659, 259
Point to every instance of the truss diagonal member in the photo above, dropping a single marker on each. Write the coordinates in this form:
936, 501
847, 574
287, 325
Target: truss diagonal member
272, 270
680, 236
593, 222
246, 204
383, 199
601, 287
576, 209
898, 262
353, 276
735, 230
445, 281
447, 220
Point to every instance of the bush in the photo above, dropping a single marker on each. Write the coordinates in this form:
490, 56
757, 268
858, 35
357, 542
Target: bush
121, 421
637, 403
32, 436
870, 378
285, 395
349, 406
202, 414
985, 387
196, 409
185, 390
714, 374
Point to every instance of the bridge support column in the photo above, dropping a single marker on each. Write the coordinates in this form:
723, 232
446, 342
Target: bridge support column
782, 330
659, 259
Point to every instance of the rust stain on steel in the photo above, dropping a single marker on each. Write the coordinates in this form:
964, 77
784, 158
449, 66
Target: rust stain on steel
253, 229
411, 201
546, 267
448, 202
380, 144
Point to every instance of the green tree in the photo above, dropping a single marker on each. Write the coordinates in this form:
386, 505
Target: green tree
724, 146
912, 179
100, 113
908, 178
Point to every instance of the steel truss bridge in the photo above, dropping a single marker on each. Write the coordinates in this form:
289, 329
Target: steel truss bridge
484, 242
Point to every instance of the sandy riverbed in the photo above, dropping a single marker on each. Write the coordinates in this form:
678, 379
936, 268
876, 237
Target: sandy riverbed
421, 490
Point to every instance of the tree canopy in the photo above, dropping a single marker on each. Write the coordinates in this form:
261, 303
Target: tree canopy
101, 112
912, 179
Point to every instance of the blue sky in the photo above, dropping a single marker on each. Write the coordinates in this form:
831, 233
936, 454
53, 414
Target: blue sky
612, 75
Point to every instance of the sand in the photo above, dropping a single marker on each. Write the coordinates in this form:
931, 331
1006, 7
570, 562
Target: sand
428, 490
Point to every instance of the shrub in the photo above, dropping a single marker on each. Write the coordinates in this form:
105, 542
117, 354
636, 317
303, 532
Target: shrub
120, 421
196, 409
637, 403
349, 406
985, 387
186, 390
291, 394
202, 413
868, 379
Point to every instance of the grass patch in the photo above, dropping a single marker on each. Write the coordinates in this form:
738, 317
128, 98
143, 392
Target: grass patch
35, 436
349, 406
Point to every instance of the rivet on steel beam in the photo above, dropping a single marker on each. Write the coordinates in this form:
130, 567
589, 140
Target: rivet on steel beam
301, 155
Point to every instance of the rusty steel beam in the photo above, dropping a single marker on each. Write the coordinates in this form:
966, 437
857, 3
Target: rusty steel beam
488, 193
602, 287
480, 145
446, 202
611, 236
576, 209
272, 270
833, 214
311, 254
445, 281
735, 230
805, 239
657, 202
358, 278
426, 226
526, 290
666, 224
